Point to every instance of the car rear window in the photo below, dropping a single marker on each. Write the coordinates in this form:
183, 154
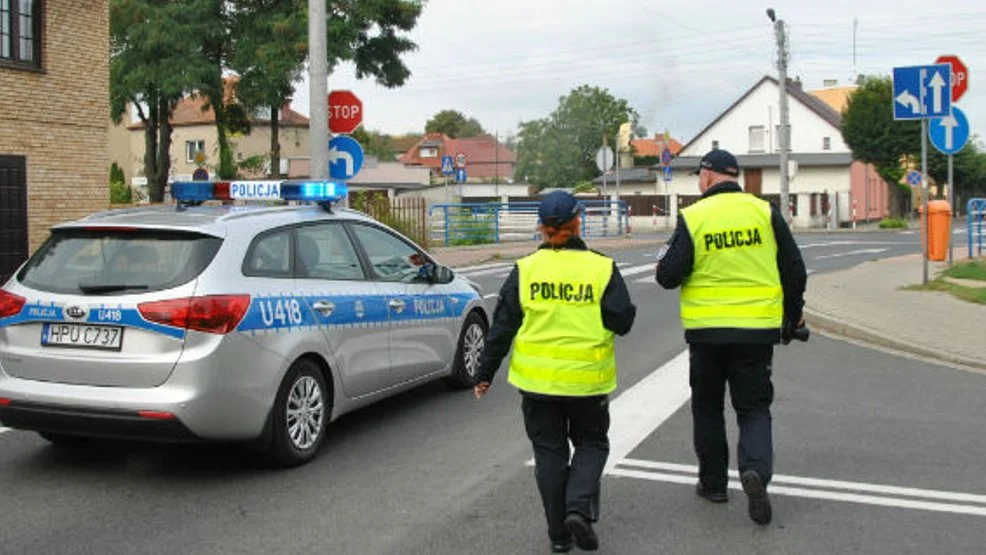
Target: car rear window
117, 262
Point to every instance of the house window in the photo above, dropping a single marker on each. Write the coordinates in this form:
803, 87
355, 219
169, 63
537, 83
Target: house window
191, 149
20, 32
826, 143
429, 152
758, 138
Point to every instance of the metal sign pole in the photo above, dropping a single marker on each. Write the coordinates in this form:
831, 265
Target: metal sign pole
924, 193
951, 198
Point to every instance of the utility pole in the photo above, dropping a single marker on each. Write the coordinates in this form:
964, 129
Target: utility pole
318, 87
785, 135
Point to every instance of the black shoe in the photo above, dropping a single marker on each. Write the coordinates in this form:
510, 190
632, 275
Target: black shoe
713, 496
561, 546
580, 527
756, 492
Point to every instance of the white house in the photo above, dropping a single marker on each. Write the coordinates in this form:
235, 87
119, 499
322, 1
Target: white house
825, 186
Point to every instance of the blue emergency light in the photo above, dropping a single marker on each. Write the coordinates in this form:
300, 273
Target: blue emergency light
321, 192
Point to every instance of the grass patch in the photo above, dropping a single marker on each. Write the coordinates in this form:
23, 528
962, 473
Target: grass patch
893, 223
973, 269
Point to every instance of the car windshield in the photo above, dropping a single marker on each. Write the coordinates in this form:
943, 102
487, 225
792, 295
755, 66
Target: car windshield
102, 262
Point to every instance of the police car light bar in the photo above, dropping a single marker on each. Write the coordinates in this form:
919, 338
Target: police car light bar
186, 192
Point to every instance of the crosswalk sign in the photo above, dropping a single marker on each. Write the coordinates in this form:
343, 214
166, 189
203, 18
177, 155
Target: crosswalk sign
448, 167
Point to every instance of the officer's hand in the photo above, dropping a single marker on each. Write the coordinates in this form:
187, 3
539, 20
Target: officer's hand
480, 389
787, 332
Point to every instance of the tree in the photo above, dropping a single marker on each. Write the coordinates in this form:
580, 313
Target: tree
270, 47
375, 144
454, 124
560, 150
154, 58
871, 132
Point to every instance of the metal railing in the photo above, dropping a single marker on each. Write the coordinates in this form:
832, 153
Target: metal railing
497, 222
976, 224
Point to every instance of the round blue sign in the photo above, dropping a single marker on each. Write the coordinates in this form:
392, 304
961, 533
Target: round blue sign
950, 133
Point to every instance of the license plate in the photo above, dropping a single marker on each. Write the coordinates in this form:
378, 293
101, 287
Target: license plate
82, 335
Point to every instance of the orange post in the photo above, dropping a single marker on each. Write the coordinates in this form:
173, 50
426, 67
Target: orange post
938, 228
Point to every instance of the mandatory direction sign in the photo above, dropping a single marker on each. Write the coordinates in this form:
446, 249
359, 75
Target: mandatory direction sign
345, 112
960, 75
950, 133
667, 174
345, 157
922, 92
460, 175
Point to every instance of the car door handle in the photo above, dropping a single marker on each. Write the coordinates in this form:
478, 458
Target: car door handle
326, 308
397, 304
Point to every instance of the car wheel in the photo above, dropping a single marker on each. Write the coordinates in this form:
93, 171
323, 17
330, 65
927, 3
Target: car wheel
472, 339
301, 414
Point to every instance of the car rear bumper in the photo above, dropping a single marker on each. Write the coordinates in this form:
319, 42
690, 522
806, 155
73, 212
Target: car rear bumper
116, 424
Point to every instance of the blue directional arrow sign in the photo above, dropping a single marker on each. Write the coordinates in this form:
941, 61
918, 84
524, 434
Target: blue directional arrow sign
460, 175
950, 133
667, 173
914, 178
448, 167
922, 91
345, 157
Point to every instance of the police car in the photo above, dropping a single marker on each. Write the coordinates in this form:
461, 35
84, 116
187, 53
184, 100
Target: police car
228, 323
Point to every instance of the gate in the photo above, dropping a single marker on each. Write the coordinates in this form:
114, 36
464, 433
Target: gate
976, 224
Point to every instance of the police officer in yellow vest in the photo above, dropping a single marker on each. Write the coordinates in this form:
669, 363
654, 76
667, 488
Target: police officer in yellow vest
742, 283
560, 308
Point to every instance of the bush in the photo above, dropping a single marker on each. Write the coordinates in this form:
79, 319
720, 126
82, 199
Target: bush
893, 223
378, 207
120, 193
116, 174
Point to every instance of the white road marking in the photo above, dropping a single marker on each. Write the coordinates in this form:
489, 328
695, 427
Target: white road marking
483, 267
814, 494
692, 471
844, 243
4, 430
622, 264
851, 253
634, 270
487, 272
811, 271
649, 279
491, 295
642, 408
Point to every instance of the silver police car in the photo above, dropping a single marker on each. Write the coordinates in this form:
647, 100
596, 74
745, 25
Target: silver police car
227, 323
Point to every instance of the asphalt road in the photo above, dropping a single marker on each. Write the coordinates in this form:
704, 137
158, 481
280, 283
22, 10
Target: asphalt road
875, 453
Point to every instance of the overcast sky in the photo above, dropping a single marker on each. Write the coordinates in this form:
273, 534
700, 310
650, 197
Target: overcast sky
678, 64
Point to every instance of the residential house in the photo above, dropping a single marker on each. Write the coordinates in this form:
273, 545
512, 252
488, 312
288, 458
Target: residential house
827, 188
487, 159
194, 130
645, 147
390, 178
54, 118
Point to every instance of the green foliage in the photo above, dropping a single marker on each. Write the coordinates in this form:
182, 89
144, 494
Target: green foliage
378, 207
454, 124
893, 223
871, 132
646, 161
584, 187
251, 164
560, 150
120, 193
468, 226
116, 174
376, 144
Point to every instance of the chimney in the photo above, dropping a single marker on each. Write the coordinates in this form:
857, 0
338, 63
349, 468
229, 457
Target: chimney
829, 83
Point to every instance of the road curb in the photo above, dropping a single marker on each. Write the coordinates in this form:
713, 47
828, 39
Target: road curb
827, 322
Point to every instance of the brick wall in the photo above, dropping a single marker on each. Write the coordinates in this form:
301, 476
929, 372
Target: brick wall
59, 118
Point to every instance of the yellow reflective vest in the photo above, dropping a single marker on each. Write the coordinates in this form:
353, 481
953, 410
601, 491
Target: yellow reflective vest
562, 347
734, 281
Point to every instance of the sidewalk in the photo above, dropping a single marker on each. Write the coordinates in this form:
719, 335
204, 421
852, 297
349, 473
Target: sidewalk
457, 257
868, 303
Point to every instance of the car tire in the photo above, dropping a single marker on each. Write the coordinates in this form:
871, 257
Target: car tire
295, 439
472, 339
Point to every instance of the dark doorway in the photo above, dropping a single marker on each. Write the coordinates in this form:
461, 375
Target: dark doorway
13, 215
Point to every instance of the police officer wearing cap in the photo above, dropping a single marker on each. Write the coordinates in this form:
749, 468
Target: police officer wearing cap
742, 283
559, 309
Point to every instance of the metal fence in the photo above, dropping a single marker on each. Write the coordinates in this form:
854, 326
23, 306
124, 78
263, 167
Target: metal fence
497, 222
976, 224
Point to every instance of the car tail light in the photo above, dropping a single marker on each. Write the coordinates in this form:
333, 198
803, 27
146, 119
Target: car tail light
4, 402
156, 415
212, 314
10, 304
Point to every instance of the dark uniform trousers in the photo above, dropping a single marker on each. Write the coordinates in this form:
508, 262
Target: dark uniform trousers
747, 368
550, 422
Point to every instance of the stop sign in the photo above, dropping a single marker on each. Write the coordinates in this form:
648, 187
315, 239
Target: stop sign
345, 112
960, 75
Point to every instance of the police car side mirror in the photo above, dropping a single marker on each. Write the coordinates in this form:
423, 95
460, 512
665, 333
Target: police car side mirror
436, 273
